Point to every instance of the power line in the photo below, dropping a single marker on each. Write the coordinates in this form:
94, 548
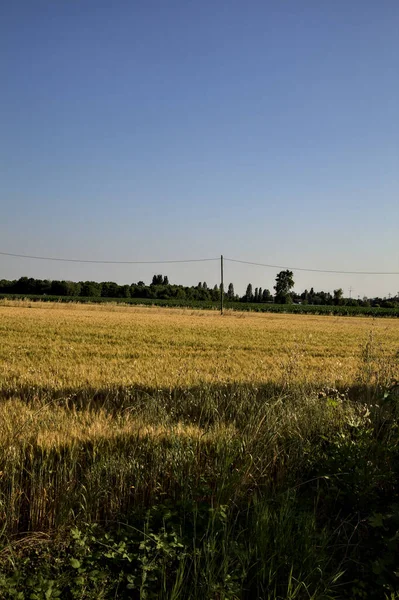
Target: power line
109, 262
245, 262
193, 260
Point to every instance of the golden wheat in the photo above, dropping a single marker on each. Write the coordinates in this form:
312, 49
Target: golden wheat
106, 407
59, 347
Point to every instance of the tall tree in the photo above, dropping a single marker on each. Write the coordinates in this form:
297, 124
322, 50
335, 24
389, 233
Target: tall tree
249, 294
230, 292
338, 295
266, 296
157, 280
165, 280
284, 284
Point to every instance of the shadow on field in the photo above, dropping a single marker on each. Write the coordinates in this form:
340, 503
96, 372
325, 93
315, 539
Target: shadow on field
209, 400
122, 477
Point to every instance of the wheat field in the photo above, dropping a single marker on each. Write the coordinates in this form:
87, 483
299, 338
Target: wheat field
56, 347
111, 413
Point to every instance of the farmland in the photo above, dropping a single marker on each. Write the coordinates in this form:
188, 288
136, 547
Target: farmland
161, 453
326, 309
76, 347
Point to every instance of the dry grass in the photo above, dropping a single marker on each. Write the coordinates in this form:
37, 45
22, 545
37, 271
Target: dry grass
47, 426
58, 347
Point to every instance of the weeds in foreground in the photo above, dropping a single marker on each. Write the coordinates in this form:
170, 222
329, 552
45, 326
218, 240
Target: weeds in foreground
275, 497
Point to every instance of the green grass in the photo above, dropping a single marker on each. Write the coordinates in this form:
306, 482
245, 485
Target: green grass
240, 493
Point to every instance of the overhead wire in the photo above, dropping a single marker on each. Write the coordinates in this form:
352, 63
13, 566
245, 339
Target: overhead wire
196, 260
109, 262
246, 262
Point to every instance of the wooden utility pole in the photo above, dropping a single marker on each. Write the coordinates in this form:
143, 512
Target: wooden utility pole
221, 284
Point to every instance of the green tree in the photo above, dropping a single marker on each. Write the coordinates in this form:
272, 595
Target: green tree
109, 289
338, 295
230, 292
215, 294
65, 288
6, 286
124, 291
266, 296
249, 294
157, 280
90, 289
284, 284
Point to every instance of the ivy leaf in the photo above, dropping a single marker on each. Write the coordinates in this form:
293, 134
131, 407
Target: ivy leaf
376, 520
75, 563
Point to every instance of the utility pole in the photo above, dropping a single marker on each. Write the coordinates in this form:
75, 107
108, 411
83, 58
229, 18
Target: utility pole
221, 284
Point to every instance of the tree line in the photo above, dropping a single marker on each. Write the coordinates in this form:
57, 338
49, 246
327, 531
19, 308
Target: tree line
161, 288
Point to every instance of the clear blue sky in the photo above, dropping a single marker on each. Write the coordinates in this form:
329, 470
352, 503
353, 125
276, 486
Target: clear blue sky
266, 131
